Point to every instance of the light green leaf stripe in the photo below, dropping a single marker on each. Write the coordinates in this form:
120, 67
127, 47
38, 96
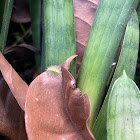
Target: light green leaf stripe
103, 43
127, 61
59, 32
35, 13
123, 114
5, 15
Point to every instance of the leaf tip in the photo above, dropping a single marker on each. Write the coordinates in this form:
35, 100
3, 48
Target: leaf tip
124, 74
66, 64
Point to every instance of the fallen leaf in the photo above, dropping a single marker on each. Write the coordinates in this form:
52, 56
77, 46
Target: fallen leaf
12, 123
54, 109
84, 12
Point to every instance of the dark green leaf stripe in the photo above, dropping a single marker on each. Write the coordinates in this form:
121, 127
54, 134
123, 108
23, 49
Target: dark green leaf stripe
127, 61
105, 36
138, 11
123, 114
2, 4
35, 13
59, 32
5, 14
43, 60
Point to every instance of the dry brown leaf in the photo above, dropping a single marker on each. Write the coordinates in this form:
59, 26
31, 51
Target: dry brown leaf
14, 81
20, 12
84, 12
12, 125
54, 109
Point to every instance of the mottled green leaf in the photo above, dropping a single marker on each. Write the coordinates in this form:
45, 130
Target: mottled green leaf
5, 14
127, 61
59, 32
123, 115
105, 36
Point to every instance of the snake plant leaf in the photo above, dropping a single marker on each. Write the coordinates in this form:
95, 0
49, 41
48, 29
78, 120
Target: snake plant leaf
35, 13
5, 15
127, 61
59, 32
123, 115
138, 11
105, 36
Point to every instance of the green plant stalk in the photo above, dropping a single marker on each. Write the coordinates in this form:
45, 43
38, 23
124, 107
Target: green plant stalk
43, 59
138, 11
123, 115
35, 13
103, 43
127, 61
5, 15
59, 32
2, 5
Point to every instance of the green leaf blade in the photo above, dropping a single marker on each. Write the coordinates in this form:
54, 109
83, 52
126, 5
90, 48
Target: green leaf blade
59, 32
5, 15
123, 110
105, 36
138, 11
127, 61
35, 13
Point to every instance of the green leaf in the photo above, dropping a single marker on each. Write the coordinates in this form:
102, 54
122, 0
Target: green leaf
5, 14
43, 58
2, 4
138, 11
106, 34
35, 13
123, 114
127, 61
59, 32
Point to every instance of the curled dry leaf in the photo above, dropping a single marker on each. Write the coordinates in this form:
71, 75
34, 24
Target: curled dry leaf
54, 109
84, 12
12, 125
20, 12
